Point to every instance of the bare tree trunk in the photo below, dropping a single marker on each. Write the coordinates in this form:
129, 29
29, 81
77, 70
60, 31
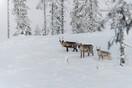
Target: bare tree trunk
91, 17
45, 23
122, 48
62, 16
8, 19
52, 18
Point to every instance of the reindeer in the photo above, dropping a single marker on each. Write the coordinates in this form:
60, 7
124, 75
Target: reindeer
69, 44
85, 48
103, 54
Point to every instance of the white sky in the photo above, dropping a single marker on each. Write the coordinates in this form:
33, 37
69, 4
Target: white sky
3, 19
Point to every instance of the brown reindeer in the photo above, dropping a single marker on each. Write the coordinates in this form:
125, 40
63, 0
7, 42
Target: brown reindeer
85, 48
69, 44
103, 54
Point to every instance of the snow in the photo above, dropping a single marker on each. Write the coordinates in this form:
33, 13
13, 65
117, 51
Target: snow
41, 62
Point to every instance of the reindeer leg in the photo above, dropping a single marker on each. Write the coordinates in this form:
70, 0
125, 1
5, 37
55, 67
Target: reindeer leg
109, 57
92, 53
73, 49
76, 50
102, 58
67, 49
99, 57
83, 54
88, 53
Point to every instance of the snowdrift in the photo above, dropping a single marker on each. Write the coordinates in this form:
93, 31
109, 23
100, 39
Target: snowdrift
41, 62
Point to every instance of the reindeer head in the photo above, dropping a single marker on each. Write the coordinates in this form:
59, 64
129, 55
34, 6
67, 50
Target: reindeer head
98, 49
61, 40
79, 44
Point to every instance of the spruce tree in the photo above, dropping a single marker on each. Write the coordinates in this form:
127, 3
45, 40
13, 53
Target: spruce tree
76, 20
85, 16
22, 20
37, 31
121, 19
42, 6
92, 15
55, 18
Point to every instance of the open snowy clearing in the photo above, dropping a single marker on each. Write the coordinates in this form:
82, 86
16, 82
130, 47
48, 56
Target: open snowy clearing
41, 62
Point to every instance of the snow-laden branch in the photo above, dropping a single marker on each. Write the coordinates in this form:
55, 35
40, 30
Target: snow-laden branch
106, 19
129, 45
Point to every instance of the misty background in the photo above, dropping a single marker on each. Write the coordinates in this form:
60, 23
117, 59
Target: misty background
36, 16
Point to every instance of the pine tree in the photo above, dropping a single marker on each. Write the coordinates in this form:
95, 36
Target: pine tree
121, 22
85, 16
55, 18
92, 15
37, 31
22, 20
75, 22
77, 15
42, 6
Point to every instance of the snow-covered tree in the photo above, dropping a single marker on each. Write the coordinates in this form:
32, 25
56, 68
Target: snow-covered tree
22, 20
92, 15
42, 5
77, 25
77, 22
55, 18
121, 21
85, 16
62, 16
37, 31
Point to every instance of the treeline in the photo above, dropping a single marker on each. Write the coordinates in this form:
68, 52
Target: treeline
85, 17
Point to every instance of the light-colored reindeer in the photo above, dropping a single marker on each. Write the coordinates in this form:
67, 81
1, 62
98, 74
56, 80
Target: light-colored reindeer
69, 44
103, 54
85, 48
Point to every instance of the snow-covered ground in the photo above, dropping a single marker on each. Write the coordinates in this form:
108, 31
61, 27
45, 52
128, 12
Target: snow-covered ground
41, 62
